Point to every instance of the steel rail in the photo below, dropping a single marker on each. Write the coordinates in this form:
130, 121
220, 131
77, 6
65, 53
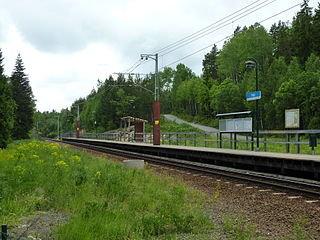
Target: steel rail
301, 186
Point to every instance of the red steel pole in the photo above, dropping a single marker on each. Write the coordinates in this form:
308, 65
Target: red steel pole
78, 128
156, 123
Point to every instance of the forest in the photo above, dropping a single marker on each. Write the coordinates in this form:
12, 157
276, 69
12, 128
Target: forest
288, 61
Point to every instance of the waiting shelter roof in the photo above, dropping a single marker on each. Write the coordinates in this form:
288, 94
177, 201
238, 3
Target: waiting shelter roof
233, 114
133, 119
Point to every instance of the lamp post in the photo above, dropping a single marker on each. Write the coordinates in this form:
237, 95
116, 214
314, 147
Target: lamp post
156, 103
253, 63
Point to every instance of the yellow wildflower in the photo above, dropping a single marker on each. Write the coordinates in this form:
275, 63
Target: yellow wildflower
55, 154
76, 158
61, 164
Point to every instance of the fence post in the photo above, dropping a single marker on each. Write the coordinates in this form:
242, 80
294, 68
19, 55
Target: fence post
231, 140
287, 144
4, 232
252, 142
220, 138
235, 140
185, 139
247, 142
265, 143
177, 139
195, 140
297, 143
169, 139
205, 142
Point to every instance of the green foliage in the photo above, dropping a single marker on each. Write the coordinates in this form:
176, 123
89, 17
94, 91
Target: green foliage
210, 66
104, 199
301, 232
281, 37
253, 42
313, 63
24, 100
226, 97
302, 33
302, 93
192, 94
237, 230
7, 107
286, 55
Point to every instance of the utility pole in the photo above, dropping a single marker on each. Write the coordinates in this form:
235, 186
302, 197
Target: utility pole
156, 103
78, 121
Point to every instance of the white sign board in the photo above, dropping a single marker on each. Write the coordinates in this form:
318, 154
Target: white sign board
235, 125
292, 118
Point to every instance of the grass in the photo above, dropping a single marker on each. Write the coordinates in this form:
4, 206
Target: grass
103, 199
172, 126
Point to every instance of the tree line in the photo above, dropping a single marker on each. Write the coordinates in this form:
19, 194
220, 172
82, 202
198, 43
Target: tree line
288, 57
17, 104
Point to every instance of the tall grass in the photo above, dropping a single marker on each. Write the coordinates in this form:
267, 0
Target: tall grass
104, 200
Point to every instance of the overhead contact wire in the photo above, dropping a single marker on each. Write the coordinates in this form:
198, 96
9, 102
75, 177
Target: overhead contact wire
218, 28
191, 54
201, 31
204, 29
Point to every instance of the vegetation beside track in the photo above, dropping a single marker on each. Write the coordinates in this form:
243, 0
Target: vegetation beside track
103, 199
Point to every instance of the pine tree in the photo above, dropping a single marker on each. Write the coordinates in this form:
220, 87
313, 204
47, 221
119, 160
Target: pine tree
282, 40
23, 97
302, 33
6, 108
315, 31
210, 66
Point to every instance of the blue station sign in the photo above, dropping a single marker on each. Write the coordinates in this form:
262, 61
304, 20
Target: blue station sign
251, 96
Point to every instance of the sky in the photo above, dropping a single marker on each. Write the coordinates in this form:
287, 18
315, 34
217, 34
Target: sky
67, 45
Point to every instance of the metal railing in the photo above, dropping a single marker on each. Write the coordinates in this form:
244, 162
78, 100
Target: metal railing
287, 141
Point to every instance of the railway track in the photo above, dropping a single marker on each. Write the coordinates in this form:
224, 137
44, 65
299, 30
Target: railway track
307, 187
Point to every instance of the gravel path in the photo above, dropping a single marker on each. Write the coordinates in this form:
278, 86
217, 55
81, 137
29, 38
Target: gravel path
201, 127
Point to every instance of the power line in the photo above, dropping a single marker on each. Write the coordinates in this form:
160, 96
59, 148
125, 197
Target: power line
191, 54
199, 32
228, 22
137, 62
215, 26
203, 29
141, 62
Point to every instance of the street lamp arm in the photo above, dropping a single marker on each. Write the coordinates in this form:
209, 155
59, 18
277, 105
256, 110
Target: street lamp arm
252, 59
146, 56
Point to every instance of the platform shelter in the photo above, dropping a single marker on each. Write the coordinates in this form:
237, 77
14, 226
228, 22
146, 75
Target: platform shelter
137, 123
